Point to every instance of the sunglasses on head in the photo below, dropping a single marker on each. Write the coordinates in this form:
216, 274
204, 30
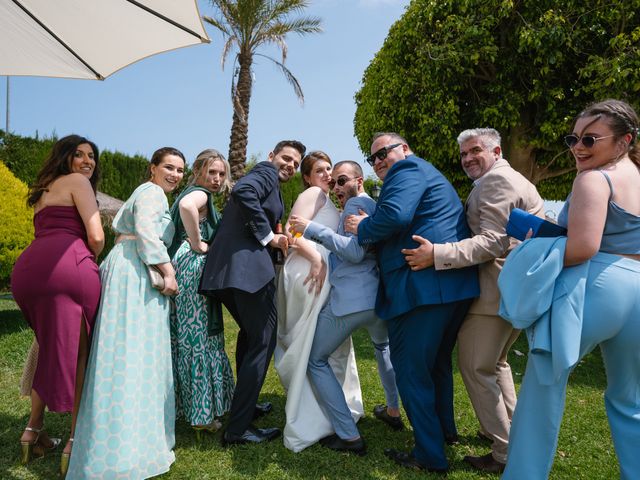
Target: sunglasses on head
340, 181
381, 154
587, 140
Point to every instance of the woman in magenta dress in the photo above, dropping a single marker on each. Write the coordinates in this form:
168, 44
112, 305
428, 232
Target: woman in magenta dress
56, 283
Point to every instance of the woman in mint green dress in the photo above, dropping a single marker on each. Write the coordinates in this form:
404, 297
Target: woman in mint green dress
126, 422
202, 372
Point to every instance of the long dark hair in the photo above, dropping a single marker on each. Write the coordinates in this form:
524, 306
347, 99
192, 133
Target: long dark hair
58, 163
621, 118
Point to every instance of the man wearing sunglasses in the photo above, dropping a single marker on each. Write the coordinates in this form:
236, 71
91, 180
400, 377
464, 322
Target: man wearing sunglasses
425, 308
353, 277
484, 338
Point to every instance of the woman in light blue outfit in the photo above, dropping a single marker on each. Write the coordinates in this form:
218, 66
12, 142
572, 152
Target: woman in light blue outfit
602, 215
126, 422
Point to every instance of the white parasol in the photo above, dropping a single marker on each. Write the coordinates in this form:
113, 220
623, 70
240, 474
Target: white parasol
91, 38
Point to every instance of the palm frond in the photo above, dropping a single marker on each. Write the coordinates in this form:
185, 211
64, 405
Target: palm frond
217, 24
284, 8
302, 26
293, 81
227, 48
282, 45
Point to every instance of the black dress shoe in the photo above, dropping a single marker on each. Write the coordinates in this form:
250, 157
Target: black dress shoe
334, 442
262, 409
452, 439
250, 435
486, 463
409, 461
380, 412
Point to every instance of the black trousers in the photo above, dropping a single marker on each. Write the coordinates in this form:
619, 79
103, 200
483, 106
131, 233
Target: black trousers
256, 315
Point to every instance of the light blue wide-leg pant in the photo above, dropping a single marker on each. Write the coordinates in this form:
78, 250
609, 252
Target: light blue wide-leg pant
612, 320
331, 332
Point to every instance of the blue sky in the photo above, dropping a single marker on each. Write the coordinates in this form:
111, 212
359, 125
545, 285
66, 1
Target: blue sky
182, 98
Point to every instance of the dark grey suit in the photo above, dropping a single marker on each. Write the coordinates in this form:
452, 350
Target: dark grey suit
239, 272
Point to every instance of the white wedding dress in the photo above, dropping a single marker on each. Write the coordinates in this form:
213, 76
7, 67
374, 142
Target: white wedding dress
297, 316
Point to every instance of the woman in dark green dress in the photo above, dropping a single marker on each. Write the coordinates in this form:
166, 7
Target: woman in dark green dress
202, 372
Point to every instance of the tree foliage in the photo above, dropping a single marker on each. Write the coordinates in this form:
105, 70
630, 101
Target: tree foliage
249, 25
16, 222
525, 68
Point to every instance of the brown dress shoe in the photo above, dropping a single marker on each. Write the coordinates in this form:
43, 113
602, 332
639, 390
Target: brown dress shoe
486, 463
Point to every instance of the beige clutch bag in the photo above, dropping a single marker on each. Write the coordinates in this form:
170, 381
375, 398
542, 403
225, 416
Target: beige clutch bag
157, 280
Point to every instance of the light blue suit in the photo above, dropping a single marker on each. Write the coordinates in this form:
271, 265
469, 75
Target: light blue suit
354, 284
580, 307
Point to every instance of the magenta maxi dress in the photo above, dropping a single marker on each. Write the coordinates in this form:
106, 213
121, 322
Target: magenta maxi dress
56, 284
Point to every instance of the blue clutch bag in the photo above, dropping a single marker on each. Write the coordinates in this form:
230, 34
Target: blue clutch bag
520, 222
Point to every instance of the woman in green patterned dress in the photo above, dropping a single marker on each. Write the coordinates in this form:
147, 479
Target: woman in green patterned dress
202, 373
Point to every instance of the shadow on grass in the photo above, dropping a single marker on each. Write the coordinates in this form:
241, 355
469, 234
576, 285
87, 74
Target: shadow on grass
589, 372
11, 319
58, 425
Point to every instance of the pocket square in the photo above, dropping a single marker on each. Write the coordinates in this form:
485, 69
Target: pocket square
520, 222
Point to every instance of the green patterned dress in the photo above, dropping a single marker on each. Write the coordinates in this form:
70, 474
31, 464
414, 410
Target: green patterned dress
202, 373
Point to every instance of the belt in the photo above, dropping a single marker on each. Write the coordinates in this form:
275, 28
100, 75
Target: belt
125, 236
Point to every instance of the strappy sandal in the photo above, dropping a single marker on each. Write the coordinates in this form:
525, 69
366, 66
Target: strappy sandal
211, 428
35, 448
64, 461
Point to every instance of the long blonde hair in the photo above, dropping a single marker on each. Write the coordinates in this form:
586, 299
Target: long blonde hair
201, 165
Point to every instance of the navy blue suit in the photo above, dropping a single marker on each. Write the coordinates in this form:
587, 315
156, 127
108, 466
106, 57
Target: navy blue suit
423, 309
239, 272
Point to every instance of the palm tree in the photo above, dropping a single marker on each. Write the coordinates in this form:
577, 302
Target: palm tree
248, 25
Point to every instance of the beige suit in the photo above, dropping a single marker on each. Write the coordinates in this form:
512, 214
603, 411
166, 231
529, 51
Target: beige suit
485, 338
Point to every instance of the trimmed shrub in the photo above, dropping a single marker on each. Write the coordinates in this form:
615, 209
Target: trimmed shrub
24, 155
16, 222
121, 174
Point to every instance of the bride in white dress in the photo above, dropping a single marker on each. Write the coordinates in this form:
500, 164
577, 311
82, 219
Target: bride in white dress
302, 292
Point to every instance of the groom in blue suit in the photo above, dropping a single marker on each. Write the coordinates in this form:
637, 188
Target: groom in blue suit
354, 285
423, 309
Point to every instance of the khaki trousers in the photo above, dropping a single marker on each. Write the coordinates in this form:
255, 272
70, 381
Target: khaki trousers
483, 344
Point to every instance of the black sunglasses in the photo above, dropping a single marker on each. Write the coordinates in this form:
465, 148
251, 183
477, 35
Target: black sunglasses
588, 140
341, 181
381, 154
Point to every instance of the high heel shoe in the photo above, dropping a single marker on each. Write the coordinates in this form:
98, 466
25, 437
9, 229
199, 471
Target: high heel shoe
64, 461
36, 448
211, 428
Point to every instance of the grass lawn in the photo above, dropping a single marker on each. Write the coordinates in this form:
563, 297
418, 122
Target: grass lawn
585, 450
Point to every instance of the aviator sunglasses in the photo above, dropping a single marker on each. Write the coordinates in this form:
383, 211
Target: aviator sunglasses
381, 154
341, 181
588, 140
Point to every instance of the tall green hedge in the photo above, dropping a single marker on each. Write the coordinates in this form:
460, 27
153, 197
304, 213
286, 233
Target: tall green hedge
121, 173
16, 222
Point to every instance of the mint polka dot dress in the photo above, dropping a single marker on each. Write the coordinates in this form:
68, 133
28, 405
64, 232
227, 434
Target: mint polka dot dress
125, 427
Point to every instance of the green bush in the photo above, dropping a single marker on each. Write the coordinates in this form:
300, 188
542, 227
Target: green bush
16, 222
24, 155
121, 173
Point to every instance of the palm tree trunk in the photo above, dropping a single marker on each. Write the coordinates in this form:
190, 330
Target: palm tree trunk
240, 125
